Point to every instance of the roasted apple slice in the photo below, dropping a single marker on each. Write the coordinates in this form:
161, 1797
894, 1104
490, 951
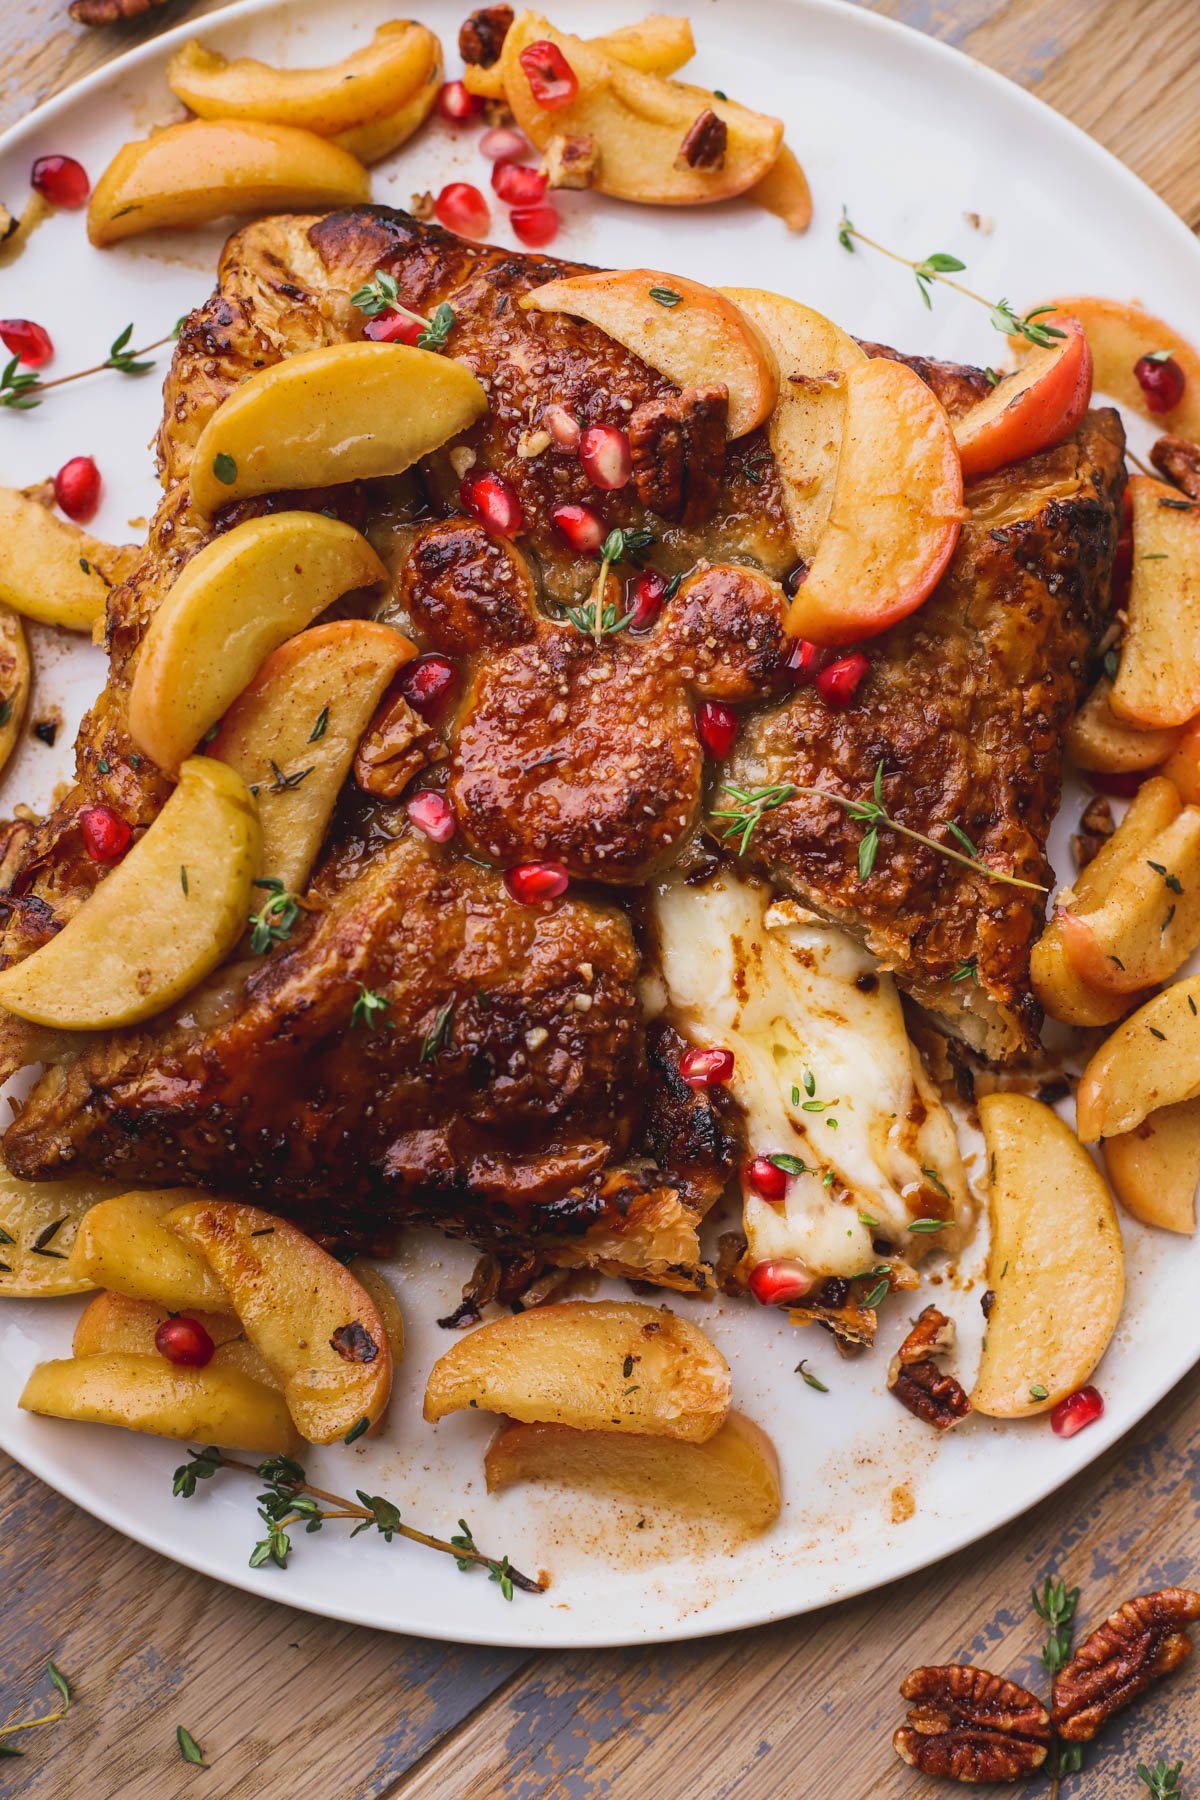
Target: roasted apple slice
896, 511
122, 1244
115, 1322
1119, 335
204, 169
657, 45
1151, 1060
1158, 681
365, 85
1056, 1264
812, 355
1098, 740
1182, 764
313, 1324
731, 1480
597, 1365
1148, 923
1155, 1168
214, 1405
690, 333
643, 127
1038, 406
238, 598
50, 570
347, 412
38, 1225
292, 733
784, 191
15, 675
159, 922
379, 137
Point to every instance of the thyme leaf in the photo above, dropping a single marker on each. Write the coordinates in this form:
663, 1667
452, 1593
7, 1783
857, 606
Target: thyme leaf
749, 806
189, 1749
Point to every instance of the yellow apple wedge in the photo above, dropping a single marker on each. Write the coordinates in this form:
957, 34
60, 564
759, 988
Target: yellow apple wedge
371, 82
304, 713
638, 123
657, 45
1158, 679
690, 333
38, 1225
812, 355
122, 1244
896, 510
205, 169
242, 595
1098, 740
214, 1405
50, 570
1056, 1264
15, 674
1119, 335
158, 922
1151, 1060
377, 138
115, 1322
312, 1322
346, 412
1155, 1168
1148, 923
784, 191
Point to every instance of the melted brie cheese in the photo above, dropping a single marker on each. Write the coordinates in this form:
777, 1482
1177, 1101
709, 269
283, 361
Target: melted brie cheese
823, 1070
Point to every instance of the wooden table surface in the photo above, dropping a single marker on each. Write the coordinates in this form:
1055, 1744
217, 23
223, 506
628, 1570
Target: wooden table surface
286, 1705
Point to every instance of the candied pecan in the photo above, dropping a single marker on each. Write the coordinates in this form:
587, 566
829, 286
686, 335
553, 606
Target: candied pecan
354, 1343
110, 12
704, 145
677, 445
1096, 826
397, 743
917, 1380
482, 33
1141, 1641
1178, 459
571, 161
970, 1725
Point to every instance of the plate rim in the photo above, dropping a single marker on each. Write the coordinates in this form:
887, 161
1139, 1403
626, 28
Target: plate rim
698, 1624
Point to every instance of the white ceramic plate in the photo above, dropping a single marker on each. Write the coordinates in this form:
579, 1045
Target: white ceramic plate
911, 137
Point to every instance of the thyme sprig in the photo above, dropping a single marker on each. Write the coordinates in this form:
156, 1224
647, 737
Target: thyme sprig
749, 806
942, 267
382, 295
272, 924
1056, 1606
290, 1499
597, 616
60, 1683
22, 389
1162, 1780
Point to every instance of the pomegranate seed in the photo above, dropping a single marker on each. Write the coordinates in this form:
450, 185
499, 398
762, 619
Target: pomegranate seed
605, 455
706, 1068
645, 600
503, 144
518, 186
716, 727
426, 683
1162, 383
183, 1340
807, 660
462, 208
563, 427
28, 342
431, 813
551, 78
493, 501
60, 180
767, 1178
105, 834
838, 684
536, 226
531, 882
77, 488
395, 328
580, 528
779, 1283
457, 103
1077, 1412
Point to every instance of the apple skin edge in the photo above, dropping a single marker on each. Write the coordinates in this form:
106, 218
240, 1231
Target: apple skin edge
1039, 406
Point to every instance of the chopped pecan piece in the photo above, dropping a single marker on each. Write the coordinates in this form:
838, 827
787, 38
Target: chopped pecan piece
482, 33
354, 1343
704, 145
571, 162
1178, 460
678, 451
421, 206
917, 1379
397, 743
969, 1725
1143, 1640
110, 12
1096, 826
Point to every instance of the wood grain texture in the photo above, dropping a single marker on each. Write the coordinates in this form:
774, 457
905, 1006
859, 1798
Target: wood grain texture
287, 1705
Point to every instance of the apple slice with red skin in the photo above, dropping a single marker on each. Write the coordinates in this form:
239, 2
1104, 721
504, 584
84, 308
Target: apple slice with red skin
1037, 407
896, 513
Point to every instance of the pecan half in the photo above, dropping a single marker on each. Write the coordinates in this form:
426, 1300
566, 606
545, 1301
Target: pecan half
110, 12
969, 1725
397, 743
571, 162
704, 145
482, 33
1178, 459
677, 446
1143, 1640
1096, 826
917, 1379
